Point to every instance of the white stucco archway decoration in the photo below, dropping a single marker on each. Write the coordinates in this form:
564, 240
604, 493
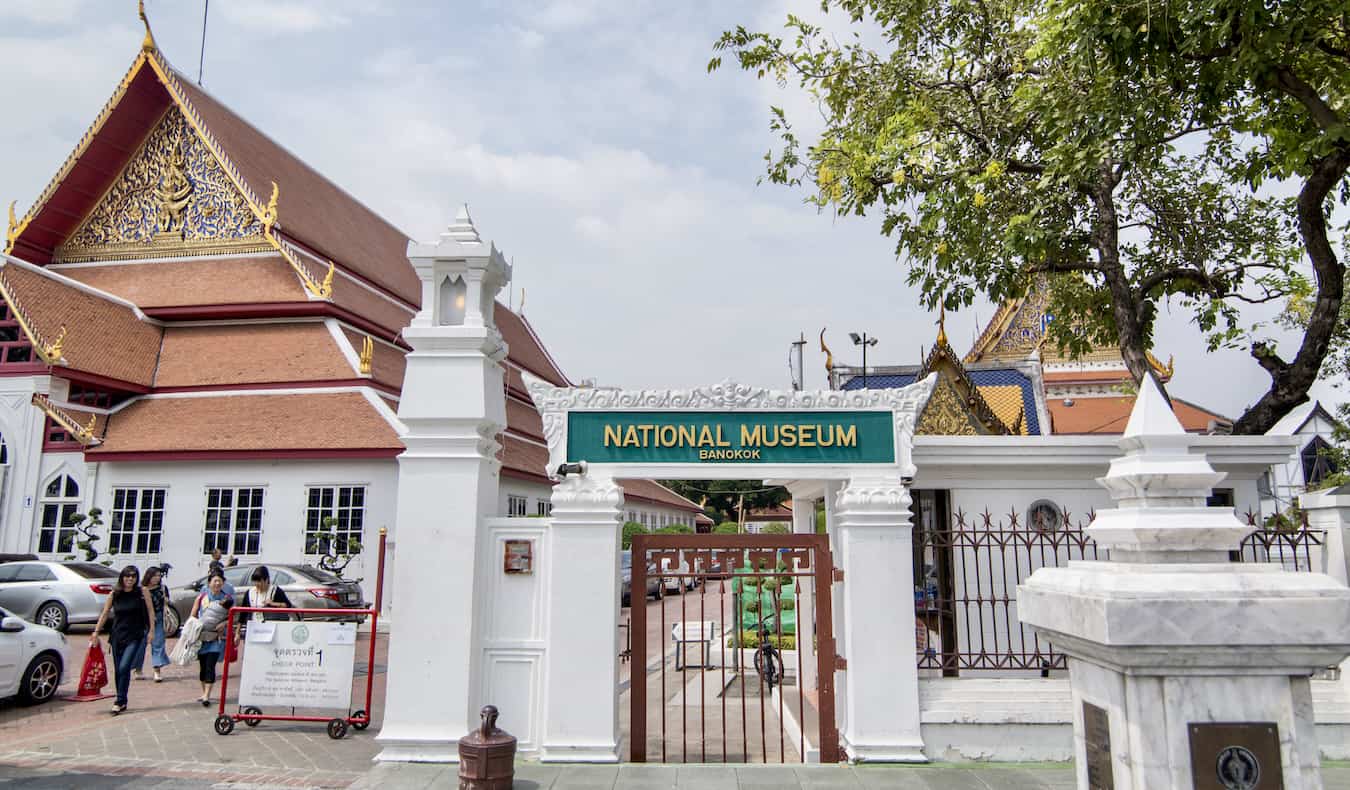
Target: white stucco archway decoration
904, 403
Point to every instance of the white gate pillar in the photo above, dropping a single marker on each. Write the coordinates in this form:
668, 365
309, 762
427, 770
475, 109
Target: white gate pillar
1330, 511
874, 548
453, 405
581, 675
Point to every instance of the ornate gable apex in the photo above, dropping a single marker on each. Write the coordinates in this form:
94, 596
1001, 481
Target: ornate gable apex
1017, 331
314, 214
956, 407
172, 199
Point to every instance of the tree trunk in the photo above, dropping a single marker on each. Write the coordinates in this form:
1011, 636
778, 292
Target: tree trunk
1124, 302
1290, 381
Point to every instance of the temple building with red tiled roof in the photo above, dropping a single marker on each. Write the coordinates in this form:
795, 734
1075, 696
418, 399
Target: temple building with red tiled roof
1012, 382
200, 336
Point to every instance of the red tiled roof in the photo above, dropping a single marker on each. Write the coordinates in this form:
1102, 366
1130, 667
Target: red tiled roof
104, 337
657, 494
525, 348
249, 354
387, 363
317, 422
191, 283
310, 208
1110, 415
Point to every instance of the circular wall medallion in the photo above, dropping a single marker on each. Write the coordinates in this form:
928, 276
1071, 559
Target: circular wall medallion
300, 634
1238, 769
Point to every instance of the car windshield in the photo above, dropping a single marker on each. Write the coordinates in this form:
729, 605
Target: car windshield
318, 574
91, 571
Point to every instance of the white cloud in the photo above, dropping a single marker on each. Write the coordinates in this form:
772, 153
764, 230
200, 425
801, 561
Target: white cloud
41, 11
287, 17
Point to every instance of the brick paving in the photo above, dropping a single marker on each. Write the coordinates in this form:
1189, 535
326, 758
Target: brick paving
165, 733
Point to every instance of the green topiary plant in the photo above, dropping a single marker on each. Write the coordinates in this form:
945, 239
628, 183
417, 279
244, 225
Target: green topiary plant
630, 529
727, 528
86, 526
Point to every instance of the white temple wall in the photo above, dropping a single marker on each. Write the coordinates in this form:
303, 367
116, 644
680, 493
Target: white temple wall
21, 428
285, 484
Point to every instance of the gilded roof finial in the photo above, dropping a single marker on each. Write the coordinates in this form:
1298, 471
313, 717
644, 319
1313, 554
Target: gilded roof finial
829, 357
942, 324
326, 289
51, 352
13, 232
269, 217
149, 43
367, 354
85, 434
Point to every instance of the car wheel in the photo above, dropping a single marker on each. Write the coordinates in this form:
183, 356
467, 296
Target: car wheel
41, 680
53, 615
171, 624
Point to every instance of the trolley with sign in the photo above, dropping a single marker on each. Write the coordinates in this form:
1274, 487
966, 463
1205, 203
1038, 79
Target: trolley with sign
293, 646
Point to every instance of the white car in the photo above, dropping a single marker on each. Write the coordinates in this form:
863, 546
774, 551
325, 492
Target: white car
678, 584
31, 660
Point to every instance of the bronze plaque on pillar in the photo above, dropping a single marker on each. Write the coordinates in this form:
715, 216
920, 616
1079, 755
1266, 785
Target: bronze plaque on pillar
1236, 756
1097, 748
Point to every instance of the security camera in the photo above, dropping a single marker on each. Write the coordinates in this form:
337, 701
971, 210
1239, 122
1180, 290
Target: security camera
578, 468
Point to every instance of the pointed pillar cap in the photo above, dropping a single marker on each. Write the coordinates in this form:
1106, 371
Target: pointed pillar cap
462, 229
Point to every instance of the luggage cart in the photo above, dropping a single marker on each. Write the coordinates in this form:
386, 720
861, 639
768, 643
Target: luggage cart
337, 725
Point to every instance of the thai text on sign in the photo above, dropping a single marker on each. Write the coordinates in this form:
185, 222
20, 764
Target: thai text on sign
755, 437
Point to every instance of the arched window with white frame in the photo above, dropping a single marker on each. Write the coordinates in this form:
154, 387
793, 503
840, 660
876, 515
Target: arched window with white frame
60, 500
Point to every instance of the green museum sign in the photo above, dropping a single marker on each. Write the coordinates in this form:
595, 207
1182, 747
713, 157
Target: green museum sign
766, 437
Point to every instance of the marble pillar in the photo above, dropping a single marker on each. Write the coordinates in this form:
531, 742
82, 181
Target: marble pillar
874, 548
581, 671
1186, 667
452, 409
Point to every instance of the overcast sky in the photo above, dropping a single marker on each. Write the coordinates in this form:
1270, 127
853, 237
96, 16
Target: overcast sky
591, 146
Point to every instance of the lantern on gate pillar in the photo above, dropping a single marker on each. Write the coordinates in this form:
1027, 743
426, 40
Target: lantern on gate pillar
461, 276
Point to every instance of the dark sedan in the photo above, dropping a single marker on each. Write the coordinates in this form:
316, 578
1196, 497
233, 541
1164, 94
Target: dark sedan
306, 586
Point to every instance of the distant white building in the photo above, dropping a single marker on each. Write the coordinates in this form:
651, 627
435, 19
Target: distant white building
1313, 425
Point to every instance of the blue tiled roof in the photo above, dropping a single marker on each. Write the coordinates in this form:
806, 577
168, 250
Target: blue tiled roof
994, 377
877, 381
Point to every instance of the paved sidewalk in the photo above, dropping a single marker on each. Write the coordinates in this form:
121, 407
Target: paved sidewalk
968, 776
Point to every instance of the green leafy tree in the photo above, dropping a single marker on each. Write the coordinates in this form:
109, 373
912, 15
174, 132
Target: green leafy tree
630, 529
721, 499
776, 528
85, 537
1115, 148
675, 529
727, 528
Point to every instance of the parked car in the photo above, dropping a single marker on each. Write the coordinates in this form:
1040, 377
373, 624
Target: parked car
678, 584
55, 594
626, 577
306, 586
31, 660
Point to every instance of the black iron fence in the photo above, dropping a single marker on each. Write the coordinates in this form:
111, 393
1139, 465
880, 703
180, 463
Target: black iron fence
967, 573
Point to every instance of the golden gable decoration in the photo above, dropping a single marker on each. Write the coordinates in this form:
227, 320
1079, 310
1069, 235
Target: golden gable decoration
173, 198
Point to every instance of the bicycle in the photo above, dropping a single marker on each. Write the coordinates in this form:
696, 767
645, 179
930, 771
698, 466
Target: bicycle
768, 661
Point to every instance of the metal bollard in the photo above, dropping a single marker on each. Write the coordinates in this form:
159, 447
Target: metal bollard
487, 756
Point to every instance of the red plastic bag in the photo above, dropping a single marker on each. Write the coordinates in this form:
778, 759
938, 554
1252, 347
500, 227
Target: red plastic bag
94, 675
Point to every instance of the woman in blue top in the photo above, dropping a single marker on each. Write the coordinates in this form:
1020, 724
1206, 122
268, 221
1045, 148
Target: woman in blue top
159, 599
212, 608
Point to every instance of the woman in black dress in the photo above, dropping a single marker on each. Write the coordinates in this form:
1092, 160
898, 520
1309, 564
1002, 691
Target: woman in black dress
132, 615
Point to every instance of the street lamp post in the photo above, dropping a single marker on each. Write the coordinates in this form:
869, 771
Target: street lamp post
864, 341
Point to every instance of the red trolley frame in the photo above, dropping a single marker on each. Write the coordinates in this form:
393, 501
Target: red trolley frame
337, 725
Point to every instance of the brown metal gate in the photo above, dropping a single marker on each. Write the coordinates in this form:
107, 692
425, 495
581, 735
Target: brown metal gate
696, 693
